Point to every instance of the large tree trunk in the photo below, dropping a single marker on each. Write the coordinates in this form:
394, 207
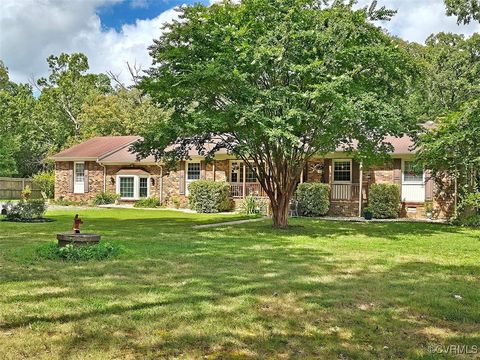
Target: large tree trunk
280, 209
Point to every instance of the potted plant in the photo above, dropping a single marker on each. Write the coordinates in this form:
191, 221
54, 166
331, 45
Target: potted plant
368, 213
429, 209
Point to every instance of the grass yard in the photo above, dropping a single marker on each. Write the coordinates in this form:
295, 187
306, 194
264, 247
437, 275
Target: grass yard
329, 290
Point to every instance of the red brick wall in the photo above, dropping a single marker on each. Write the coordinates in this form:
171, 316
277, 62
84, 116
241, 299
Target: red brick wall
64, 176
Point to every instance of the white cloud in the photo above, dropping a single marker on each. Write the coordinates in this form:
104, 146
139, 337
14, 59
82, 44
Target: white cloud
418, 19
31, 30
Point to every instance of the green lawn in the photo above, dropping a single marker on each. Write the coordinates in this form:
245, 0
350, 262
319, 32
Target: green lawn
321, 289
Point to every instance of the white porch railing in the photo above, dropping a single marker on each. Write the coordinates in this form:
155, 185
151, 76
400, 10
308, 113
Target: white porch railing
344, 191
237, 190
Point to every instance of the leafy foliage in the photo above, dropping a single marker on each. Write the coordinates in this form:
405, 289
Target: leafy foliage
384, 201
253, 205
149, 202
73, 105
26, 210
465, 10
105, 197
275, 82
313, 199
206, 196
45, 181
100, 251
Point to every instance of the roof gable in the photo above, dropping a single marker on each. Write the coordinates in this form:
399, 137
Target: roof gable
96, 147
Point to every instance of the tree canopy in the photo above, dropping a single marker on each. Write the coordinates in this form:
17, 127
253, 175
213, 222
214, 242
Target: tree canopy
276, 82
464, 10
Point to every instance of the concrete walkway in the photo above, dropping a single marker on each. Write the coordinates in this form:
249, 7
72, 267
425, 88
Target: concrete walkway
361, 219
327, 218
227, 223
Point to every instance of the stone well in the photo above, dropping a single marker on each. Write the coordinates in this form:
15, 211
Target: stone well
77, 239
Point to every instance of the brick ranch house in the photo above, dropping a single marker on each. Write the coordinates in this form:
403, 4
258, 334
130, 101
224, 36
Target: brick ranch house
107, 164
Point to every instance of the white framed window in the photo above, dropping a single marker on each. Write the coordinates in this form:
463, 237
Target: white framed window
193, 171
127, 187
79, 178
236, 173
412, 173
133, 187
413, 186
143, 187
342, 171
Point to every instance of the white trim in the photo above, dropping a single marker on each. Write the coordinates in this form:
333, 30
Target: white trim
78, 187
136, 186
187, 180
333, 171
412, 191
411, 182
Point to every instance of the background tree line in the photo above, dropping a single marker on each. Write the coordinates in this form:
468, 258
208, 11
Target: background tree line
73, 105
242, 80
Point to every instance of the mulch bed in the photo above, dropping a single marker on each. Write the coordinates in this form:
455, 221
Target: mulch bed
42, 220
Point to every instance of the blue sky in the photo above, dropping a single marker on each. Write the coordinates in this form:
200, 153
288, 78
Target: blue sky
114, 32
127, 12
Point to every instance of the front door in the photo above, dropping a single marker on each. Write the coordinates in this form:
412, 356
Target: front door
79, 178
413, 183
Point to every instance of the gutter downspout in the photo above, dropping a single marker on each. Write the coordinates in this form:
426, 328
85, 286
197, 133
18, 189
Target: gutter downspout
360, 191
161, 183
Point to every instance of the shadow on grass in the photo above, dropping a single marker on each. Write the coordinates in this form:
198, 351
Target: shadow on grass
250, 291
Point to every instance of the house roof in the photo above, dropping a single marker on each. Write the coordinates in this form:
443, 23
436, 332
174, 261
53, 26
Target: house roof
139, 172
125, 155
95, 148
117, 150
401, 145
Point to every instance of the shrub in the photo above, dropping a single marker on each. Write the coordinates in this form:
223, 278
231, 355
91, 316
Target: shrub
313, 199
176, 201
253, 205
99, 251
208, 196
26, 210
149, 202
384, 201
45, 181
105, 197
471, 220
26, 193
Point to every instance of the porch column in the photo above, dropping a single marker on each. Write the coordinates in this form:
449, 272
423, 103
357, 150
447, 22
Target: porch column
244, 179
360, 190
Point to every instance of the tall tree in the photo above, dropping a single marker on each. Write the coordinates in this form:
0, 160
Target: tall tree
63, 94
276, 82
18, 138
453, 70
464, 10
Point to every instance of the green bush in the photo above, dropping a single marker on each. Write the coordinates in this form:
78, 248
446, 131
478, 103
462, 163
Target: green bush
105, 197
99, 251
253, 205
149, 202
25, 210
313, 199
384, 200
45, 181
208, 196
471, 221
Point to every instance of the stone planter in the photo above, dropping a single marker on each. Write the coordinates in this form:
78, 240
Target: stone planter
65, 239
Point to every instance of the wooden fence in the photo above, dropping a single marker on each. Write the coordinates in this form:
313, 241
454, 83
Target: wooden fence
11, 188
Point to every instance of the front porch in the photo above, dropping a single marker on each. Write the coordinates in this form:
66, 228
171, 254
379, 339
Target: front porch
338, 192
